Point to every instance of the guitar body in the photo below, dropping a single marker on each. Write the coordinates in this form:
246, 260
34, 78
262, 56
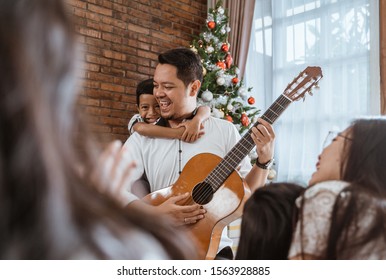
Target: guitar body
225, 206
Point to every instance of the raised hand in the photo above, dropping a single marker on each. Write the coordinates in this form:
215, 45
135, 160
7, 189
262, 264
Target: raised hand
264, 136
111, 174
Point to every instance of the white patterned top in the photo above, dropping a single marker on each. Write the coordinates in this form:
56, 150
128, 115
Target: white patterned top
317, 211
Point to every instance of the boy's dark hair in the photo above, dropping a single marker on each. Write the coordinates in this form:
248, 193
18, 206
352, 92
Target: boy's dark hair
144, 87
187, 62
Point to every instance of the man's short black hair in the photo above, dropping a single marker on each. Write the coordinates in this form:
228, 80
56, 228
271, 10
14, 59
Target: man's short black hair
144, 87
187, 62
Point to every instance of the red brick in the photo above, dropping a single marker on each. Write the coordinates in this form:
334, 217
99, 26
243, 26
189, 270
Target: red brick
100, 10
112, 38
114, 121
88, 101
91, 84
76, 3
97, 111
90, 32
114, 22
137, 28
145, 70
113, 71
120, 114
114, 55
113, 104
97, 93
98, 60
112, 87
124, 66
162, 36
91, 67
136, 76
96, 76
120, 8
122, 81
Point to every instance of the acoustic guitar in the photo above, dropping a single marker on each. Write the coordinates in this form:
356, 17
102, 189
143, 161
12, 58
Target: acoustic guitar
214, 182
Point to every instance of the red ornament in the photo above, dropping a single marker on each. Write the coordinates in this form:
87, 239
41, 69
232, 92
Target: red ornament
211, 24
251, 100
228, 60
221, 64
225, 47
235, 80
244, 119
229, 118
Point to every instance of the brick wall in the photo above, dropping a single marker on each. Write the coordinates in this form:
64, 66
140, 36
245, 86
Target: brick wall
122, 39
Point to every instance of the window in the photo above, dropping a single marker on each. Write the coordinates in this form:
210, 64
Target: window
340, 36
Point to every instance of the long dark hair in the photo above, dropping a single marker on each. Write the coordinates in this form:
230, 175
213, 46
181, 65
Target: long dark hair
365, 198
268, 221
48, 209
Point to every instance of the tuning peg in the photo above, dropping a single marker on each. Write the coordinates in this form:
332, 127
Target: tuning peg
310, 93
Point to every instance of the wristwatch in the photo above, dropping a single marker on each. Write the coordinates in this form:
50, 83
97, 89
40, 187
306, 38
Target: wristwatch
266, 165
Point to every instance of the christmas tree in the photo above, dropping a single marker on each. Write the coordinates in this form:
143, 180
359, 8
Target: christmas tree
222, 88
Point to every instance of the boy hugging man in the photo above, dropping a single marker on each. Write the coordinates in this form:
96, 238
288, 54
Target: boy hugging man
145, 123
149, 114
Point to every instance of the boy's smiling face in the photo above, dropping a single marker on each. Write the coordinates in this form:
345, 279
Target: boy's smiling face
148, 108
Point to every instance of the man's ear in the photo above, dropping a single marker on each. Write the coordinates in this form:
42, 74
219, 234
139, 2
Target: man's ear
195, 87
137, 108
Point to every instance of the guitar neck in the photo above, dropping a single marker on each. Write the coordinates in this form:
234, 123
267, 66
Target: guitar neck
234, 157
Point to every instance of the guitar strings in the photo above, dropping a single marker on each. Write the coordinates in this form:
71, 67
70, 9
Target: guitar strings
217, 177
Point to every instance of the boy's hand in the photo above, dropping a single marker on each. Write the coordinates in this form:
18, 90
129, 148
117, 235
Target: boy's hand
193, 130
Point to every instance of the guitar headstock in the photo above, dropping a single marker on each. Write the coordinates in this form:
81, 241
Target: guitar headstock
303, 83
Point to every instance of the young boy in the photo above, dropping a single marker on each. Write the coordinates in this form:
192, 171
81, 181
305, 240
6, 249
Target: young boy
149, 114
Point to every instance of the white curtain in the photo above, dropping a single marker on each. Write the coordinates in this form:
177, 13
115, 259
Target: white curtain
340, 36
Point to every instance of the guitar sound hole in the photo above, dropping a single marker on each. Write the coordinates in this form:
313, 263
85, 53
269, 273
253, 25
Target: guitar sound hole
202, 193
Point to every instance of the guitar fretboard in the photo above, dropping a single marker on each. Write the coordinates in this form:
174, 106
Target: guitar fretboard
233, 158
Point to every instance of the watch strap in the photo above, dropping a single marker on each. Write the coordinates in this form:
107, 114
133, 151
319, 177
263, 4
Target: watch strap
266, 165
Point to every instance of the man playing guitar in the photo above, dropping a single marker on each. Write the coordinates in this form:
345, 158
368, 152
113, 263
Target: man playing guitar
177, 80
